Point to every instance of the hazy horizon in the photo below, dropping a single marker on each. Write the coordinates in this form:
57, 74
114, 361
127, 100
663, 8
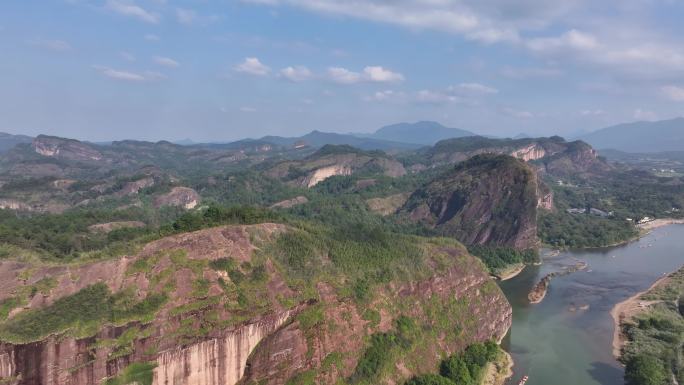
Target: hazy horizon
103, 70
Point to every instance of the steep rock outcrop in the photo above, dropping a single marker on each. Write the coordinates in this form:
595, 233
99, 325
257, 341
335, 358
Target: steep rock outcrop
552, 155
486, 315
178, 196
69, 149
486, 200
134, 187
335, 160
320, 174
579, 159
202, 336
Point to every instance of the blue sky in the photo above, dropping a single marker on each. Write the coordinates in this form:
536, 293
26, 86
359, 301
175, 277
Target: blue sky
215, 70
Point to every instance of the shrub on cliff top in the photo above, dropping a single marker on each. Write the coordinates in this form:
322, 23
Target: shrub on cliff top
84, 311
430, 379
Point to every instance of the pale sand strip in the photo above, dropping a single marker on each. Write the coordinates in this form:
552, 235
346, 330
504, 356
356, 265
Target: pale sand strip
628, 309
660, 223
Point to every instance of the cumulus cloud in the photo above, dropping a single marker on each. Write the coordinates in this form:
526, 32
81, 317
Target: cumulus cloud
296, 73
166, 62
128, 76
52, 45
620, 42
374, 74
446, 15
674, 93
464, 93
130, 9
570, 40
386, 95
381, 75
530, 72
253, 66
473, 89
343, 76
436, 97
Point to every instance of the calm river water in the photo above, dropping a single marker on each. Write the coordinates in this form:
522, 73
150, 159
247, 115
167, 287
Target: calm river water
567, 339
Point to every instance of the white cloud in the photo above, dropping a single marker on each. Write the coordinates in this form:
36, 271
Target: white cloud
296, 73
673, 93
473, 89
130, 9
519, 114
343, 75
621, 38
166, 62
186, 16
386, 95
373, 74
248, 109
530, 72
253, 66
128, 75
640, 114
381, 75
445, 15
152, 37
52, 45
464, 93
572, 39
436, 97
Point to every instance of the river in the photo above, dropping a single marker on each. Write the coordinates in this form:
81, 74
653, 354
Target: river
567, 339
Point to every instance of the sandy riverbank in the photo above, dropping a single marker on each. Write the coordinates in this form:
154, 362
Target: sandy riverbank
628, 309
648, 226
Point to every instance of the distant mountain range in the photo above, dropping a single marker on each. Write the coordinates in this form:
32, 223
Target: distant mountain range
401, 136
424, 132
7, 141
664, 135
638, 137
320, 139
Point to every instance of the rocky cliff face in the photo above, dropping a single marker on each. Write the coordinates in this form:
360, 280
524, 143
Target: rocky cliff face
205, 334
486, 200
460, 149
552, 155
335, 160
70, 149
579, 159
320, 174
179, 196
